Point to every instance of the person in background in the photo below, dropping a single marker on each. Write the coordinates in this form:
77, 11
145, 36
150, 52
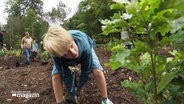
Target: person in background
11, 48
35, 50
41, 46
70, 48
94, 43
27, 46
2, 33
4, 49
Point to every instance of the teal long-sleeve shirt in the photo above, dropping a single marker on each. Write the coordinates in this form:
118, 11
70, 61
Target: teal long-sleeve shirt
84, 44
35, 47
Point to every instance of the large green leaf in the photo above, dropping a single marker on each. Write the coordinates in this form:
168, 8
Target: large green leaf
178, 37
167, 79
163, 28
177, 24
118, 59
114, 64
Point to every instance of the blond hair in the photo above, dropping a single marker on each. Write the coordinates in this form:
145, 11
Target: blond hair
57, 40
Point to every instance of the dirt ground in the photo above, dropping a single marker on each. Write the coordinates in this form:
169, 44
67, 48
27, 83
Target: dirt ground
36, 79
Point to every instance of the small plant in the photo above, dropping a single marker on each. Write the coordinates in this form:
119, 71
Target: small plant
45, 56
1, 53
11, 52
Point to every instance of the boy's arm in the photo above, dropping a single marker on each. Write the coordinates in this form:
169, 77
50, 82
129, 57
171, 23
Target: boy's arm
86, 68
65, 73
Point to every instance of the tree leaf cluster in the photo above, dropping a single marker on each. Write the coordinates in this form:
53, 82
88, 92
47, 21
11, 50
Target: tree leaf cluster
87, 18
152, 26
58, 14
20, 7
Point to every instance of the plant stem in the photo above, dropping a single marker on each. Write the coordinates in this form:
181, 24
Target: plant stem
153, 62
154, 77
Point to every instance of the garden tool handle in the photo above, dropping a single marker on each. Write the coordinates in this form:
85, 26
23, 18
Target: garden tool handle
74, 76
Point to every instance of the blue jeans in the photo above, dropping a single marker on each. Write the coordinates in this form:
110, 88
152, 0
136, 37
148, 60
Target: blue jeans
27, 53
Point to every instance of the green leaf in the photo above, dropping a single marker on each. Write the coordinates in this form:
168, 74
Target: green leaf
110, 29
178, 37
130, 85
132, 8
141, 30
118, 59
165, 41
161, 25
104, 22
167, 79
116, 16
135, 88
163, 29
177, 24
141, 46
177, 4
120, 23
118, 6
114, 64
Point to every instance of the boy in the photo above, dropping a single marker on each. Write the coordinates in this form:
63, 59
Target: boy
35, 50
69, 48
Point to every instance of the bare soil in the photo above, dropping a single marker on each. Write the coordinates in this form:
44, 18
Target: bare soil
36, 78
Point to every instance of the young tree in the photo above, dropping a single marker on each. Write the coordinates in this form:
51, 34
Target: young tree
152, 25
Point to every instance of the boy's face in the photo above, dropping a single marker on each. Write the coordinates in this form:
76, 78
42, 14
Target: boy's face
72, 52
